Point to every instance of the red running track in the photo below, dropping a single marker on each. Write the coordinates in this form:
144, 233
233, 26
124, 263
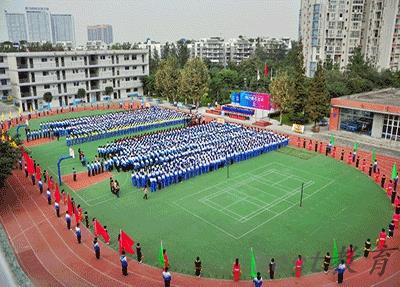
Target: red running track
50, 255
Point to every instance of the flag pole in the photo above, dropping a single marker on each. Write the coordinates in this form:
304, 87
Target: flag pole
301, 194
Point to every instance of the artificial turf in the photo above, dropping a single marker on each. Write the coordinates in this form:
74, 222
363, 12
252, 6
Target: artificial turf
255, 204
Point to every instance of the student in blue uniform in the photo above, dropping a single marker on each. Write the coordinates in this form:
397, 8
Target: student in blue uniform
124, 263
96, 248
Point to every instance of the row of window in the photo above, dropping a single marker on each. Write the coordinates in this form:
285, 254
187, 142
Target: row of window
76, 71
75, 58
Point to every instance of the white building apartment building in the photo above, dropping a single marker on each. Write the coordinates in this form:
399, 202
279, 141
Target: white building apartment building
32, 74
221, 52
332, 29
381, 37
5, 85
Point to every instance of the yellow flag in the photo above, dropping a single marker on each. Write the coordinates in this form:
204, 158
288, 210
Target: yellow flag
13, 144
20, 111
2, 116
3, 138
30, 109
9, 115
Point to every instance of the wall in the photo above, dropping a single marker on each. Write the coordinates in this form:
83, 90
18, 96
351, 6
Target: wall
377, 126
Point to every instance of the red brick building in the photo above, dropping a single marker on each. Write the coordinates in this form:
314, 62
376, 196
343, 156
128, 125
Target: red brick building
375, 113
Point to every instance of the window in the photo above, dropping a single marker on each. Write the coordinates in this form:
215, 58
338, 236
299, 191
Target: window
134, 57
3, 82
126, 79
104, 81
134, 78
126, 57
74, 58
126, 68
135, 89
76, 84
1, 60
45, 73
391, 127
44, 59
104, 69
47, 87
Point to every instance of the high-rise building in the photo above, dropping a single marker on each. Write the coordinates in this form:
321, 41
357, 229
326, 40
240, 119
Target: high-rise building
16, 26
333, 29
381, 39
38, 20
100, 33
62, 26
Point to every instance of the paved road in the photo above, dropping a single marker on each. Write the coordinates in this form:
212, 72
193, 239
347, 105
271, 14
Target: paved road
6, 277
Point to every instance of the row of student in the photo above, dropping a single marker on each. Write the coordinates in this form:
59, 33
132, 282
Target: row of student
88, 128
164, 158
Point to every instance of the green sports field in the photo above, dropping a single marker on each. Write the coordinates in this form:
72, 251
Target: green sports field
255, 204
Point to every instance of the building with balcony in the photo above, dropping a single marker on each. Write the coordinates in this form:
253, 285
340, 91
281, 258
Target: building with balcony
63, 28
333, 29
239, 49
5, 85
102, 33
16, 27
32, 74
38, 21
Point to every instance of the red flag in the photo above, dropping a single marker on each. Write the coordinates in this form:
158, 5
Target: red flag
69, 205
30, 165
50, 183
77, 215
99, 230
57, 195
38, 173
126, 243
266, 70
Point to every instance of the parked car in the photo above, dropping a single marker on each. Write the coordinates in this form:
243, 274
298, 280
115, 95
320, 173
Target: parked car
323, 123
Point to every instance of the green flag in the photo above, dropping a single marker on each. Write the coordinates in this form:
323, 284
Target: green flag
253, 272
161, 256
394, 171
355, 148
373, 155
332, 140
335, 254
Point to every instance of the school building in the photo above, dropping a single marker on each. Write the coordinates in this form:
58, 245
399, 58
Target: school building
375, 113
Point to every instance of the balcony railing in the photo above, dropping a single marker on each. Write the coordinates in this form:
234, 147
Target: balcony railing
22, 66
24, 80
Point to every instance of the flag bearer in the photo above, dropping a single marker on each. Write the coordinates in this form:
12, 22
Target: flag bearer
236, 270
78, 233
298, 266
96, 248
124, 263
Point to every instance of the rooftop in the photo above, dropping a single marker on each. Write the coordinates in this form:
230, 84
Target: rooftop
388, 97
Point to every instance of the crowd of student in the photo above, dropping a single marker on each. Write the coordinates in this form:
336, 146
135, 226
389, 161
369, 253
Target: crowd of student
164, 158
91, 128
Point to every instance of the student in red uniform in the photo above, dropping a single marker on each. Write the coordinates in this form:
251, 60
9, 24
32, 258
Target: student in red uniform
349, 158
64, 197
382, 239
334, 152
377, 176
364, 165
320, 147
349, 254
166, 259
389, 190
298, 266
236, 270
396, 219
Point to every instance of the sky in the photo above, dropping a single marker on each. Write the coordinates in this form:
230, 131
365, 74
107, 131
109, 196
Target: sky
171, 20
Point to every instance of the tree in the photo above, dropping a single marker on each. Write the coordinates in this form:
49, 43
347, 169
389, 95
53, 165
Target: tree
81, 93
166, 78
297, 111
47, 97
108, 90
193, 81
9, 156
282, 92
222, 82
149, 88
318, 100
154, 61
183, 52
